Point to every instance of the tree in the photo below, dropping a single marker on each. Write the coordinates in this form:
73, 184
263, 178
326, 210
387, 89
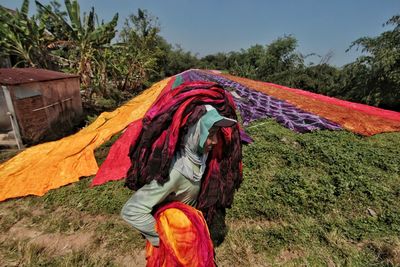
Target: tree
279, 56
217, 61
80, 37
374, 78
137, 51
179, 60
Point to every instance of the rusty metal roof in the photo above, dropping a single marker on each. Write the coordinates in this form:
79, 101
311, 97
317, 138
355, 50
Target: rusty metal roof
15, 76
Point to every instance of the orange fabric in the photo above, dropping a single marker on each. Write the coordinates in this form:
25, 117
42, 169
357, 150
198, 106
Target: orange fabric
184, 238
350, 119
384, 113
54, 164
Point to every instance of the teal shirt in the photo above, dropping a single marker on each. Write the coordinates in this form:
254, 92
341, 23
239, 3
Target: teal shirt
137, 210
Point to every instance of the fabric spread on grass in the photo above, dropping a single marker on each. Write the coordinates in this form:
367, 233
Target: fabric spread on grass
51, 165
118, 162
254, 105
357, 118
184, 238
159, 135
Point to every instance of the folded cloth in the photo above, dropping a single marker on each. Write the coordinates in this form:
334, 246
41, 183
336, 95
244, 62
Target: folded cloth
163, 128
184, 238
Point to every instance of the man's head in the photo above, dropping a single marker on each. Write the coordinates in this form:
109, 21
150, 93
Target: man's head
212, 139
210, 123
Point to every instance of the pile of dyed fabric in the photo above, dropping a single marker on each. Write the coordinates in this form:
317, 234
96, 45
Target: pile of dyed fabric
184, 238
162, 129
51, 165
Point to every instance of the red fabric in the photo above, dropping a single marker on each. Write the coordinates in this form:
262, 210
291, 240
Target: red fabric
184, 238
118, 162
167, 88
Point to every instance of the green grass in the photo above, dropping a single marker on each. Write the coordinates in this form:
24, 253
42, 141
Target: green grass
318, 199
319, 185
6, 154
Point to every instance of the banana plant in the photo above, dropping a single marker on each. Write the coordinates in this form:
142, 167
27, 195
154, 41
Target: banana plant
23, 37
80, 36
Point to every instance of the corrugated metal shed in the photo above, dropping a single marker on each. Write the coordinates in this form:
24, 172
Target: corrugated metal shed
29, 75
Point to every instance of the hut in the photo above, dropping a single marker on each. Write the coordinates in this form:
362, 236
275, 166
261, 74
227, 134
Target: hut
37, 104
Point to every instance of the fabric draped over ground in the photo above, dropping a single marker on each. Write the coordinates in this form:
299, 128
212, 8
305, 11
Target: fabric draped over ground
300, 110
184, 238
254, 105
358, 118
51, 165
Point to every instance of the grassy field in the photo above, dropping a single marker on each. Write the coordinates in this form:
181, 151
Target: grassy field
317, 199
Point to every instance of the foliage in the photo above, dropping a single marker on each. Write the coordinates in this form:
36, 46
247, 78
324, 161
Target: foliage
21, 36
317, 185
80, 37
279, 56
259, 62
279, 63
112, 72
217, 61
134, 57
179, 60
321, 78
375, 78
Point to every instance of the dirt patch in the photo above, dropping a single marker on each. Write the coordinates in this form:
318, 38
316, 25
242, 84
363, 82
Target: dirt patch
388, 252
20, 232
29, 225
86, 217
288, 255
59, 244
137, 259
331, 263
38, 212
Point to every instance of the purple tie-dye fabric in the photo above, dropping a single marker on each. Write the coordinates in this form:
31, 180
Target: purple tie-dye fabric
255, 105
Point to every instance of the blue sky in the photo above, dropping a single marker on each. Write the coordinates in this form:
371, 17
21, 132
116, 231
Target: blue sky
210, 26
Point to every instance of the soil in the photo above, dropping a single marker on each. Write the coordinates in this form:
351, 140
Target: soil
59, 244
